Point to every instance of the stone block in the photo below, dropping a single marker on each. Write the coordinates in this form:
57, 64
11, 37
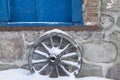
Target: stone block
7, 66
115, 36
11, 46
90, 70
118, 22
111, 5
30, 36
104, 4
106, 21
80, 35
97, 36
114, 72
100, 52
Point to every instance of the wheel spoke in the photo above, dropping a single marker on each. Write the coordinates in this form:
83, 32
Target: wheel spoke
61, 39
43, 68
51, 41
33, 68
69, 55
57, 70
46, 47
41, 53
70, 63
39, 61
64, 49
54, 72
64, 70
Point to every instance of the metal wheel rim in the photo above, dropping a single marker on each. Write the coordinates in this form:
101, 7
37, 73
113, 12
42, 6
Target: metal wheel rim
56, 58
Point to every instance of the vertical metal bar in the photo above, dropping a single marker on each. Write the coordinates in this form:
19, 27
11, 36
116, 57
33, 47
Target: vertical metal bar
77, 12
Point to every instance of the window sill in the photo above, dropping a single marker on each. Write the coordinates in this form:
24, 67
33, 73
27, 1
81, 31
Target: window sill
38, 28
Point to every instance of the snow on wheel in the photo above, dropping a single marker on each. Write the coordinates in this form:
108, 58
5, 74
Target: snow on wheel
55, 54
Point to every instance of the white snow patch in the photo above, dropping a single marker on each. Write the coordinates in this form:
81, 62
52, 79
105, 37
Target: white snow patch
22, 74
14, 74
56, 31
110, 5
88, 23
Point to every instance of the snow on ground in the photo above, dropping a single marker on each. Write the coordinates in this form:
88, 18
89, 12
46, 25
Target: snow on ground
22, 74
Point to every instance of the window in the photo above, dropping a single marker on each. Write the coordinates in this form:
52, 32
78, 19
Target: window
41, 13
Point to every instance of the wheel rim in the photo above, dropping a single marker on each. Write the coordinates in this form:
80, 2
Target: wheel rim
55, 54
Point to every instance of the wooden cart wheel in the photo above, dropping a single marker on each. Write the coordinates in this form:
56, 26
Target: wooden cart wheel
55, 54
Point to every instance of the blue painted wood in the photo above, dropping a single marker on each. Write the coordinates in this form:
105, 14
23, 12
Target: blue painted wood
4, 11
54, 10
77, 18
23, 11
41, 12
43, 24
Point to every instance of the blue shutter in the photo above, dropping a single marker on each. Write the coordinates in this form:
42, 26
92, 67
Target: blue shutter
4, 11
77, 12
53, 10
65, 12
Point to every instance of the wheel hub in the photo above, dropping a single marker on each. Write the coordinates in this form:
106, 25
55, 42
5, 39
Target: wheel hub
54, 60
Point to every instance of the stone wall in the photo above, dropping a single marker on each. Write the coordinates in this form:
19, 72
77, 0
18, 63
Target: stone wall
100, 49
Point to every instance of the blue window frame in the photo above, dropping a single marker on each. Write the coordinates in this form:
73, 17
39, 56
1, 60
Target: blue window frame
41, 13
4, 12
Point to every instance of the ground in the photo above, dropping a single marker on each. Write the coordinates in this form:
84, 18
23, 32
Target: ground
22, 74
